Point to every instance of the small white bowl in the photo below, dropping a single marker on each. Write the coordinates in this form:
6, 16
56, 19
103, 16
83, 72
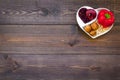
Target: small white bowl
82, 24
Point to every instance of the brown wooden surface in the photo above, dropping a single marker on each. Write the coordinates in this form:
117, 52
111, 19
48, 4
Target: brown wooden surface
40, 40
49, 11
59, 67
55, 39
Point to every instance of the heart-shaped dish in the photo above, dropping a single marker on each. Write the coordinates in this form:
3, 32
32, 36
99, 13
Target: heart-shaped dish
100, 31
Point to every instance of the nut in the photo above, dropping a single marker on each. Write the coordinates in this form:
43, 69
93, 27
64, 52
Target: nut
94, 26
93, 33
87, 28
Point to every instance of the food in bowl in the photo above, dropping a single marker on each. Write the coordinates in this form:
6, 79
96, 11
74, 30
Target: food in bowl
87, 14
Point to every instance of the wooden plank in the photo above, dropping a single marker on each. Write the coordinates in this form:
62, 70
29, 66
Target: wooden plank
55, 39
49, 12
59, 67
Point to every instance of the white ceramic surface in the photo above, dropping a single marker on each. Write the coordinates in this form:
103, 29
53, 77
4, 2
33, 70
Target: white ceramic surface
82, 24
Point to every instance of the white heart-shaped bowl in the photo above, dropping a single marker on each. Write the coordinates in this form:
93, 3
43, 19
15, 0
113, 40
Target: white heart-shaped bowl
82, 24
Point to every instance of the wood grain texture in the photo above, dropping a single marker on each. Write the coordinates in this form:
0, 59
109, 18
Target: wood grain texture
60, 67
49, 11
42, 41
55, 39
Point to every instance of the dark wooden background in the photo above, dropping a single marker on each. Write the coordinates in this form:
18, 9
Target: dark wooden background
40, 40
